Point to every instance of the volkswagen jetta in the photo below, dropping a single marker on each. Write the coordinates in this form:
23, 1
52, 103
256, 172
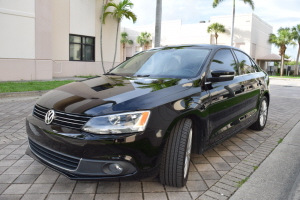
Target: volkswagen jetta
147, 115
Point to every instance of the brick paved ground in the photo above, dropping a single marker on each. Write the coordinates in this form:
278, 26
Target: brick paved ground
213, 175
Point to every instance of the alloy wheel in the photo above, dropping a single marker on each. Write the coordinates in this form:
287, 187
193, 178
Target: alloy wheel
263, 113
188, 153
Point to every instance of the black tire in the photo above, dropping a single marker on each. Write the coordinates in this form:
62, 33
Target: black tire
174, 168
263, 112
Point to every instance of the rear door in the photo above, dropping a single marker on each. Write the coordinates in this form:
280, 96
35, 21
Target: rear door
226, 106
253, 82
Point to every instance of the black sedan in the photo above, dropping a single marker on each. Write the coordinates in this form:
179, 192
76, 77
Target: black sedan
146, 116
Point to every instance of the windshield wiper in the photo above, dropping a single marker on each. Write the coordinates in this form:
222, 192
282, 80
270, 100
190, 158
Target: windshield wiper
143, 75
111, 74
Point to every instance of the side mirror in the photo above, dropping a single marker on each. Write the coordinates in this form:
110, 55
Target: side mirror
221, 75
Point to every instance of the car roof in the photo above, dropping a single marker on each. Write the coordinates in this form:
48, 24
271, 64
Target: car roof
207, 46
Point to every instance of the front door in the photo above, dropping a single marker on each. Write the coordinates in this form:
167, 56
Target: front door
226, 98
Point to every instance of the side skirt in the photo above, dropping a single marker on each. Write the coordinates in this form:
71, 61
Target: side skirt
231, 131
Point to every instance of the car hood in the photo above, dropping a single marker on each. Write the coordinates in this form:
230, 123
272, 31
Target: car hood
111, 94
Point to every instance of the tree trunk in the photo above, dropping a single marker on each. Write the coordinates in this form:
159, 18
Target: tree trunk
101, 24
158, 23
297, 60
124, 57
232, 25
116, 45
282, 63
216, 36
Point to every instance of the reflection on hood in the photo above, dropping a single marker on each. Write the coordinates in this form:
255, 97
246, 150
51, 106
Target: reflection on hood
94, 96
158, 84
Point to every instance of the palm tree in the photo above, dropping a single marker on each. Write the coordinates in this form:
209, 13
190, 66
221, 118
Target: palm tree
124, 41
296, 36
144, 39
158, 23
159, 84
216, 3
283, 38
121, 10
216, 28
101, 23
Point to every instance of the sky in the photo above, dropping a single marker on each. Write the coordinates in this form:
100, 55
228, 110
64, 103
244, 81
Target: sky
277, 13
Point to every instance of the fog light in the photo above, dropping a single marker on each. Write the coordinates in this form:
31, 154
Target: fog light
115, 168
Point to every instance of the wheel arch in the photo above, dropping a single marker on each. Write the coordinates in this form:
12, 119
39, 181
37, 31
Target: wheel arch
199, 125
267, 95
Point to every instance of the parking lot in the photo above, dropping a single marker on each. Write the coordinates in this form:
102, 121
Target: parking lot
216, 174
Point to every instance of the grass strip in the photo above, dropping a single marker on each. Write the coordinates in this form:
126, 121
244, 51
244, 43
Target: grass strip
240, 183
90, 76
285, 76
6, 87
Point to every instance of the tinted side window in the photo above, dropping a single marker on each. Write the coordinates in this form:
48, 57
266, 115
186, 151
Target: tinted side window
223, 60
255, 66
245, 64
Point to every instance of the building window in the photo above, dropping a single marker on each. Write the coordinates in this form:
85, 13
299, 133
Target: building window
82, 48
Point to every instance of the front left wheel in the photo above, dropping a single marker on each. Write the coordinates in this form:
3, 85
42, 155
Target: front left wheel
175, 161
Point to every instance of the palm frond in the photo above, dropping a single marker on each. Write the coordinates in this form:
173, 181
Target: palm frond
250, 2
105, 15
130, 42
216, 28
120, 10
124, 34
283, 38
124, 39
143, 38
216, 3
296, 33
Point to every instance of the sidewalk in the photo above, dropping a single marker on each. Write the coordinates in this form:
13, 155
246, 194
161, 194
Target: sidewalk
278, 176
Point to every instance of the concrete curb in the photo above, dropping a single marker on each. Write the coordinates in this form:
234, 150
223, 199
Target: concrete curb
285, 79
23, 94
278, 176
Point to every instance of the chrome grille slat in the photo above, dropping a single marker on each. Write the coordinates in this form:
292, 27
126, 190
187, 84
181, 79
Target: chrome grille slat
38, 116
71, 114
66, 126
42, 108
58, 117
62, 119
40, 112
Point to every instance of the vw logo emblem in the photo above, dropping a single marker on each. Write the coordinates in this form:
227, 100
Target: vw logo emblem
49, 117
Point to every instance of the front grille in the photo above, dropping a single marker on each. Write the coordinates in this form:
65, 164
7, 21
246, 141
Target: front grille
62, 119
53, 157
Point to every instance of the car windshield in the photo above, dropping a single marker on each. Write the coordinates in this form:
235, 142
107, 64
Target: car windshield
169, 62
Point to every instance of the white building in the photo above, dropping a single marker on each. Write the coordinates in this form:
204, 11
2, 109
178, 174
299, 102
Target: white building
250, 34
42, 39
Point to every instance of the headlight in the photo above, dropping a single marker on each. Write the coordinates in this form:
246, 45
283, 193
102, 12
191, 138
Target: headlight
119, 123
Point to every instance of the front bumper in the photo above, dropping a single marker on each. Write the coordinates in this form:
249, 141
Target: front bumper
78, 168
83, 156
